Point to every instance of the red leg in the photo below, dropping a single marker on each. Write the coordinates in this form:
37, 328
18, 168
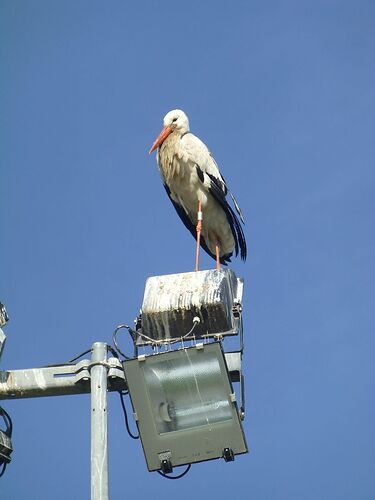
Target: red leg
199, 230
217, 255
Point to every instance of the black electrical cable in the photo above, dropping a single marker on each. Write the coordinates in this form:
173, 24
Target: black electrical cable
71, 361
4, 467
67, 363
114, 338
8, 422
79, 356
122, 393
154, 342
112, 351
8, 431
175, 477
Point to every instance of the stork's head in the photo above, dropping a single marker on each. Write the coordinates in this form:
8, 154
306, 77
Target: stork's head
174, 121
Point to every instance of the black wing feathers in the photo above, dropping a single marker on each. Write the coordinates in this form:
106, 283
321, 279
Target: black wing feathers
234, 201
199, 173
217, 191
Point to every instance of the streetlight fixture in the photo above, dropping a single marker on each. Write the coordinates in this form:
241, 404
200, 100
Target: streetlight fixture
184, 406
183, 401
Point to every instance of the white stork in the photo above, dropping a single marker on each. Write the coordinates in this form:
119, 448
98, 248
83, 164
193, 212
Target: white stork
195, 186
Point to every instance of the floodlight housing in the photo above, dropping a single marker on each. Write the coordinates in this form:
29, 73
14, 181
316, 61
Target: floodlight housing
184, 406
171, 302
5, 448
5, 439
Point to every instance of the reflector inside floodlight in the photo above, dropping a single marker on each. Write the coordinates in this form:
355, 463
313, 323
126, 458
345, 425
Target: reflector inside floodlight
185, 406
186, 393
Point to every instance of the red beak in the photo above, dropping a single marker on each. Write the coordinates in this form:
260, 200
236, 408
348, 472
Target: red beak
161, 138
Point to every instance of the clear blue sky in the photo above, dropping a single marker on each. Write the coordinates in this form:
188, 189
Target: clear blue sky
283, 94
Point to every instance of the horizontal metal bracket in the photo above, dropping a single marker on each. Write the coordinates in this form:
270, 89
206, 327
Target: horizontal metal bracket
58, 380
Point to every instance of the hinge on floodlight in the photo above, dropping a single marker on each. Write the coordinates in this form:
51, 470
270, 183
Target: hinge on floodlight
233, 361
165, 462
166, 466
228, 455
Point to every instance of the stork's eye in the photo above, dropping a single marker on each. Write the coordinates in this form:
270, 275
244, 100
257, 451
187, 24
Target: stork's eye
174, 120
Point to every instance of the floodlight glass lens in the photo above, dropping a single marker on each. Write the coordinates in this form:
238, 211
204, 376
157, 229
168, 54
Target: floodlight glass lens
186, 392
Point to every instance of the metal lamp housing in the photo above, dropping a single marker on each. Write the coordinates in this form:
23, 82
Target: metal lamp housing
172, 301
185, 406
5, 448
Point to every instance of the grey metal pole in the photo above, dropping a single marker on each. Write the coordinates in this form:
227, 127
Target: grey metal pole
99, 428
